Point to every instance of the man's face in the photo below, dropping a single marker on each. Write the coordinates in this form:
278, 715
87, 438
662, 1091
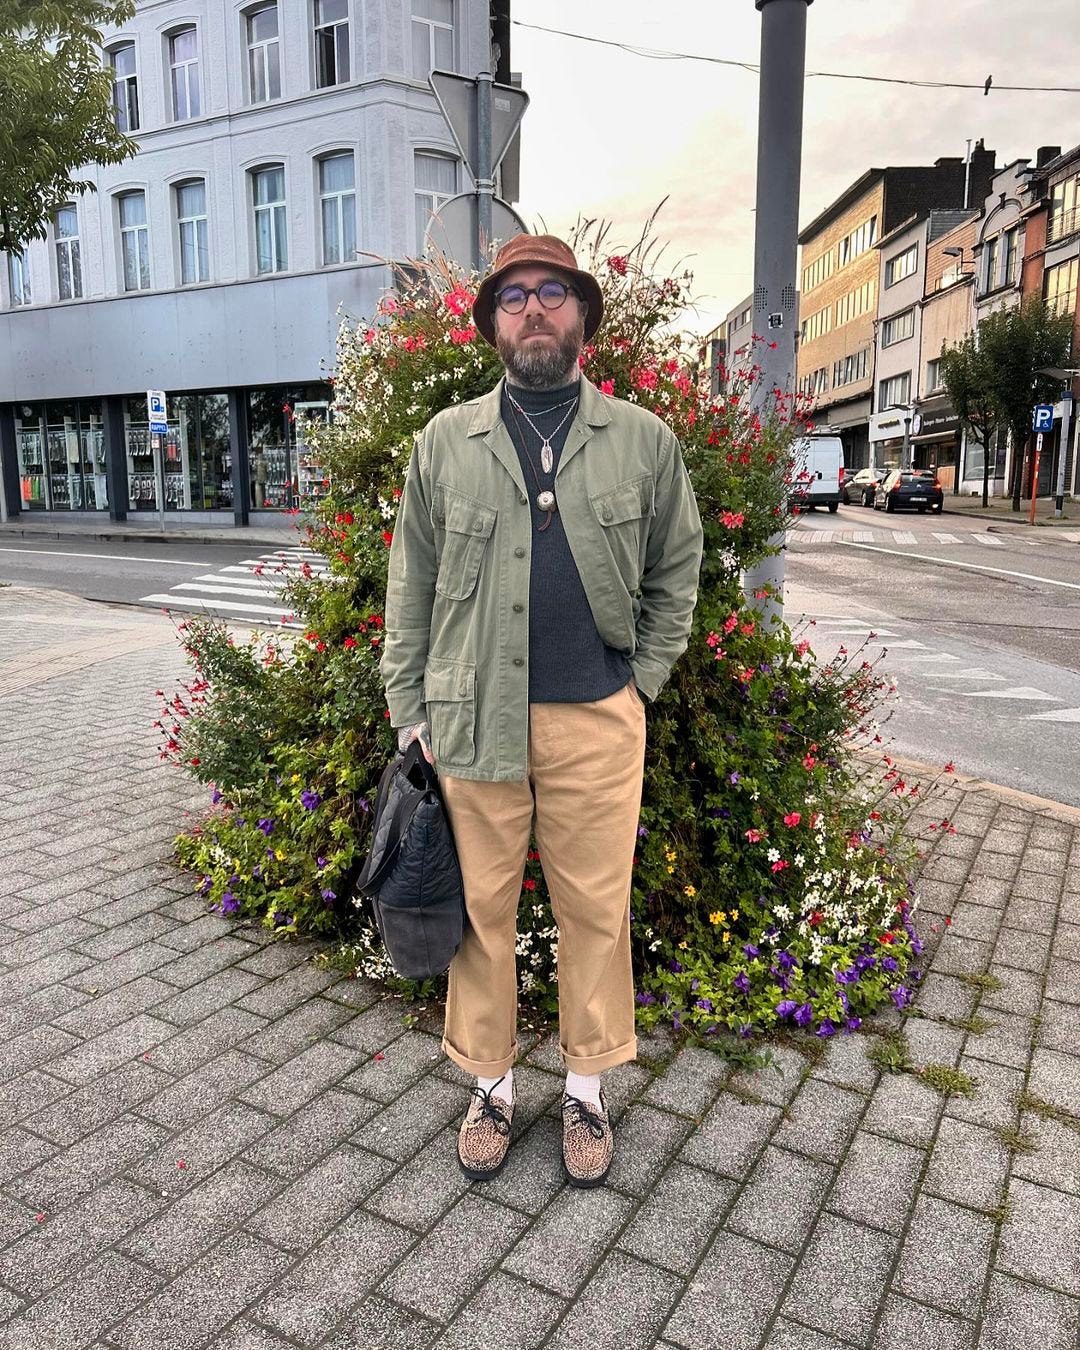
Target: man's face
540, 347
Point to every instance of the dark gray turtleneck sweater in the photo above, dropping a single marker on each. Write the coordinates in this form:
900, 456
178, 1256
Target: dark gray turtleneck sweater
569, 662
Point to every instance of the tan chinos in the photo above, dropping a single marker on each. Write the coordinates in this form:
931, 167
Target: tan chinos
581, 797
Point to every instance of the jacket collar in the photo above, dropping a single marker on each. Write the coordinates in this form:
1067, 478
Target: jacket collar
487, 422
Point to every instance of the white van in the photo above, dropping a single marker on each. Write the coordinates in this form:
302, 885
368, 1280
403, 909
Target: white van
817, 472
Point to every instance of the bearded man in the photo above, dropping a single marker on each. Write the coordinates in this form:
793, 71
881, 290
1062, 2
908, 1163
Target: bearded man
543, 577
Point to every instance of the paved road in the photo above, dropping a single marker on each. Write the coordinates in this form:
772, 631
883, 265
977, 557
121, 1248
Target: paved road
982, 632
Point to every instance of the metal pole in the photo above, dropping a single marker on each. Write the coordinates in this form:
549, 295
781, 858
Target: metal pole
776, 231
1063, 450
485, 182
159, 476
1035, 478
905, 453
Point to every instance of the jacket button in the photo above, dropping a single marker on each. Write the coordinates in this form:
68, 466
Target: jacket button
478, 525
606, 513
519, 553
519, 661
518, 609
522, 498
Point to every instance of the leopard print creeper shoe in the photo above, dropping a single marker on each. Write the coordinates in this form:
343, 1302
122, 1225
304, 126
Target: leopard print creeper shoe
588, 1144
484, 1137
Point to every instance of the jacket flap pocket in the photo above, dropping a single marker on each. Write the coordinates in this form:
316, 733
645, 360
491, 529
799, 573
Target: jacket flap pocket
448, 681
467, 517
629, 501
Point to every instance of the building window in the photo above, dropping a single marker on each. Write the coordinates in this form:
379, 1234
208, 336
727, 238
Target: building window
817, 324
194, 232
897, 328
135, 241
337, 195
857, 242
1060, 287
264, 69
933, 376
817, 382
60, 449
125, 87
19, 277
1012, 248
992, 264
851, 368
436, 183
1064, 209
68, 260
818, 271
271, 240
856, 302
331, 42
903, 265
895, 391
184, 73
744, 317
432, 36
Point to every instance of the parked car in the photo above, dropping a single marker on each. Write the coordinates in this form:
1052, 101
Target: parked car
861, 486
918, 489
818, 472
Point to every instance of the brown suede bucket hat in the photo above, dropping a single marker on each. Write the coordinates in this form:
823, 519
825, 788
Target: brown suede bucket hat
536, 250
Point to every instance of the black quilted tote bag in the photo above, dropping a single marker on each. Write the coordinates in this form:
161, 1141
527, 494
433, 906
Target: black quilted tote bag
412, 876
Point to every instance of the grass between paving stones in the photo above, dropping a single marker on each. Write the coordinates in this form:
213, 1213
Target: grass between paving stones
890, 1054
1048, 1111
976, 1024
1015, 1140
981, 979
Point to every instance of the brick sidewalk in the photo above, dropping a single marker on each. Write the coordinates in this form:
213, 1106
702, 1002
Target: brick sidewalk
199, 1147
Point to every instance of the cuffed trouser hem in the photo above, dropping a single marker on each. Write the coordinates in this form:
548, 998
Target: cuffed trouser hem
481, 1068
590, 1064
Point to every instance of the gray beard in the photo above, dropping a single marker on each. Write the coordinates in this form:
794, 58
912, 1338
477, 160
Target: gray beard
531, 367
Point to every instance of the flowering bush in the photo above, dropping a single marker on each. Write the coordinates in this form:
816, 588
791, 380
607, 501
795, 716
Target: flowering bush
770, 882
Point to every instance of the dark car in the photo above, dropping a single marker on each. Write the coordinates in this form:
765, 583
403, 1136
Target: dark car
910, 489
861, 486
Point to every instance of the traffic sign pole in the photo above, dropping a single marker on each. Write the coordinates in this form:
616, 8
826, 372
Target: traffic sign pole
1063, 451
485, 183
1035, 478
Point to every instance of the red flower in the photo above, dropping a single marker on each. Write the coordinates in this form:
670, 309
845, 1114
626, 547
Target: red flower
387, 538
887, 938
607, 386
618, 264
780, 865
754, 836
792, 820
529, 884
349, 642
816, 918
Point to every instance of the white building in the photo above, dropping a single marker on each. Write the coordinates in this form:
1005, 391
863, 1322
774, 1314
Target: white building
286, 149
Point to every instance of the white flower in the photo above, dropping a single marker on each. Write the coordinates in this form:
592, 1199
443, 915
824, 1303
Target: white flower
773, 855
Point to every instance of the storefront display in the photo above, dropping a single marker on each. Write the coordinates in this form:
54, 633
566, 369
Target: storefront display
61, 456
285, 473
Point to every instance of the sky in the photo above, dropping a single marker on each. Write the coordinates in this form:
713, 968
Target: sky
610, 134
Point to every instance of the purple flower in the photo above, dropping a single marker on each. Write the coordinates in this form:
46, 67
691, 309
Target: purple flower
327, 894
786, 1007
785, 960
642, 832
204, 889
742, 982
269, 852
889, 963
916, 945
267, 826
901, 997
695, 984
746, 1031
853, 1023
321, 863
256, 871
804, 1014
705, 1003
216, 796
751, 951
645, 999
676, 1022
826, 1028
309, 799
733, 779
229, 903
771, 931
675, 967
846, 976
717, 813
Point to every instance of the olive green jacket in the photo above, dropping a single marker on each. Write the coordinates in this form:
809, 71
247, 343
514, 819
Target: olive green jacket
457, 625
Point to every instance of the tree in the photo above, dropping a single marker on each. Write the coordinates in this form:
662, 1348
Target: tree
966, 376
1018, 344
57, 117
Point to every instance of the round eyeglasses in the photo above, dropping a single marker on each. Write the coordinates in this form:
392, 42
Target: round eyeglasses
551, 294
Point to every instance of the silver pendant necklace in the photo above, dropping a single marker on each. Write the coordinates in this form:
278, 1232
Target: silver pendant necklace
546, 456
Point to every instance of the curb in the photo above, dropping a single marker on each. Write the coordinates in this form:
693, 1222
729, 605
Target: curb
1045, 806
226, 536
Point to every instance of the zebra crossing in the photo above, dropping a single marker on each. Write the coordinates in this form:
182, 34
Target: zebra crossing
811, 537
246, 592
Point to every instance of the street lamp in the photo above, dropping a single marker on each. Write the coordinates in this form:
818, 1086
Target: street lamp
1066, 375
958, 252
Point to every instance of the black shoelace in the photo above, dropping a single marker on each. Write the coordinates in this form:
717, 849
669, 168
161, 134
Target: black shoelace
489, 1111
587, 1115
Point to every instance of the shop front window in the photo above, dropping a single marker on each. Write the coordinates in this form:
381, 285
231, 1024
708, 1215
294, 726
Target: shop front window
75, 456
30, 452
202, 460
285, 472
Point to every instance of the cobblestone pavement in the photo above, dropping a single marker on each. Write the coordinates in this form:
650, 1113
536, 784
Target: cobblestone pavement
205, 1141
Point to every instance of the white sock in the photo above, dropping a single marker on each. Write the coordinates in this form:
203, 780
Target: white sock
586, 1087
505, 1083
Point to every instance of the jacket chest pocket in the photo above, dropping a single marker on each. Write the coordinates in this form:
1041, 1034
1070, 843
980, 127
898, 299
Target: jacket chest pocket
624, 513
466, 527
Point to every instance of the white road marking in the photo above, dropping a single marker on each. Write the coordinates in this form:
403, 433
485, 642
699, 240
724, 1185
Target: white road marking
1058, 715
930, 656
908, 643
971, 673
862, 536
988, 540
191, 602
224, 590
969, 567
106, 557
903, 537
1020, 691
943, 538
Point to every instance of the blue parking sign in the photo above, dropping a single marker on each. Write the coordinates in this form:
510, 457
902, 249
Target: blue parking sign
1042, 417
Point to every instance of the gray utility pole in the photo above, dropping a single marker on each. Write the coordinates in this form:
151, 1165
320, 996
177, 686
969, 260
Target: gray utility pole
485, 172
779, 169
